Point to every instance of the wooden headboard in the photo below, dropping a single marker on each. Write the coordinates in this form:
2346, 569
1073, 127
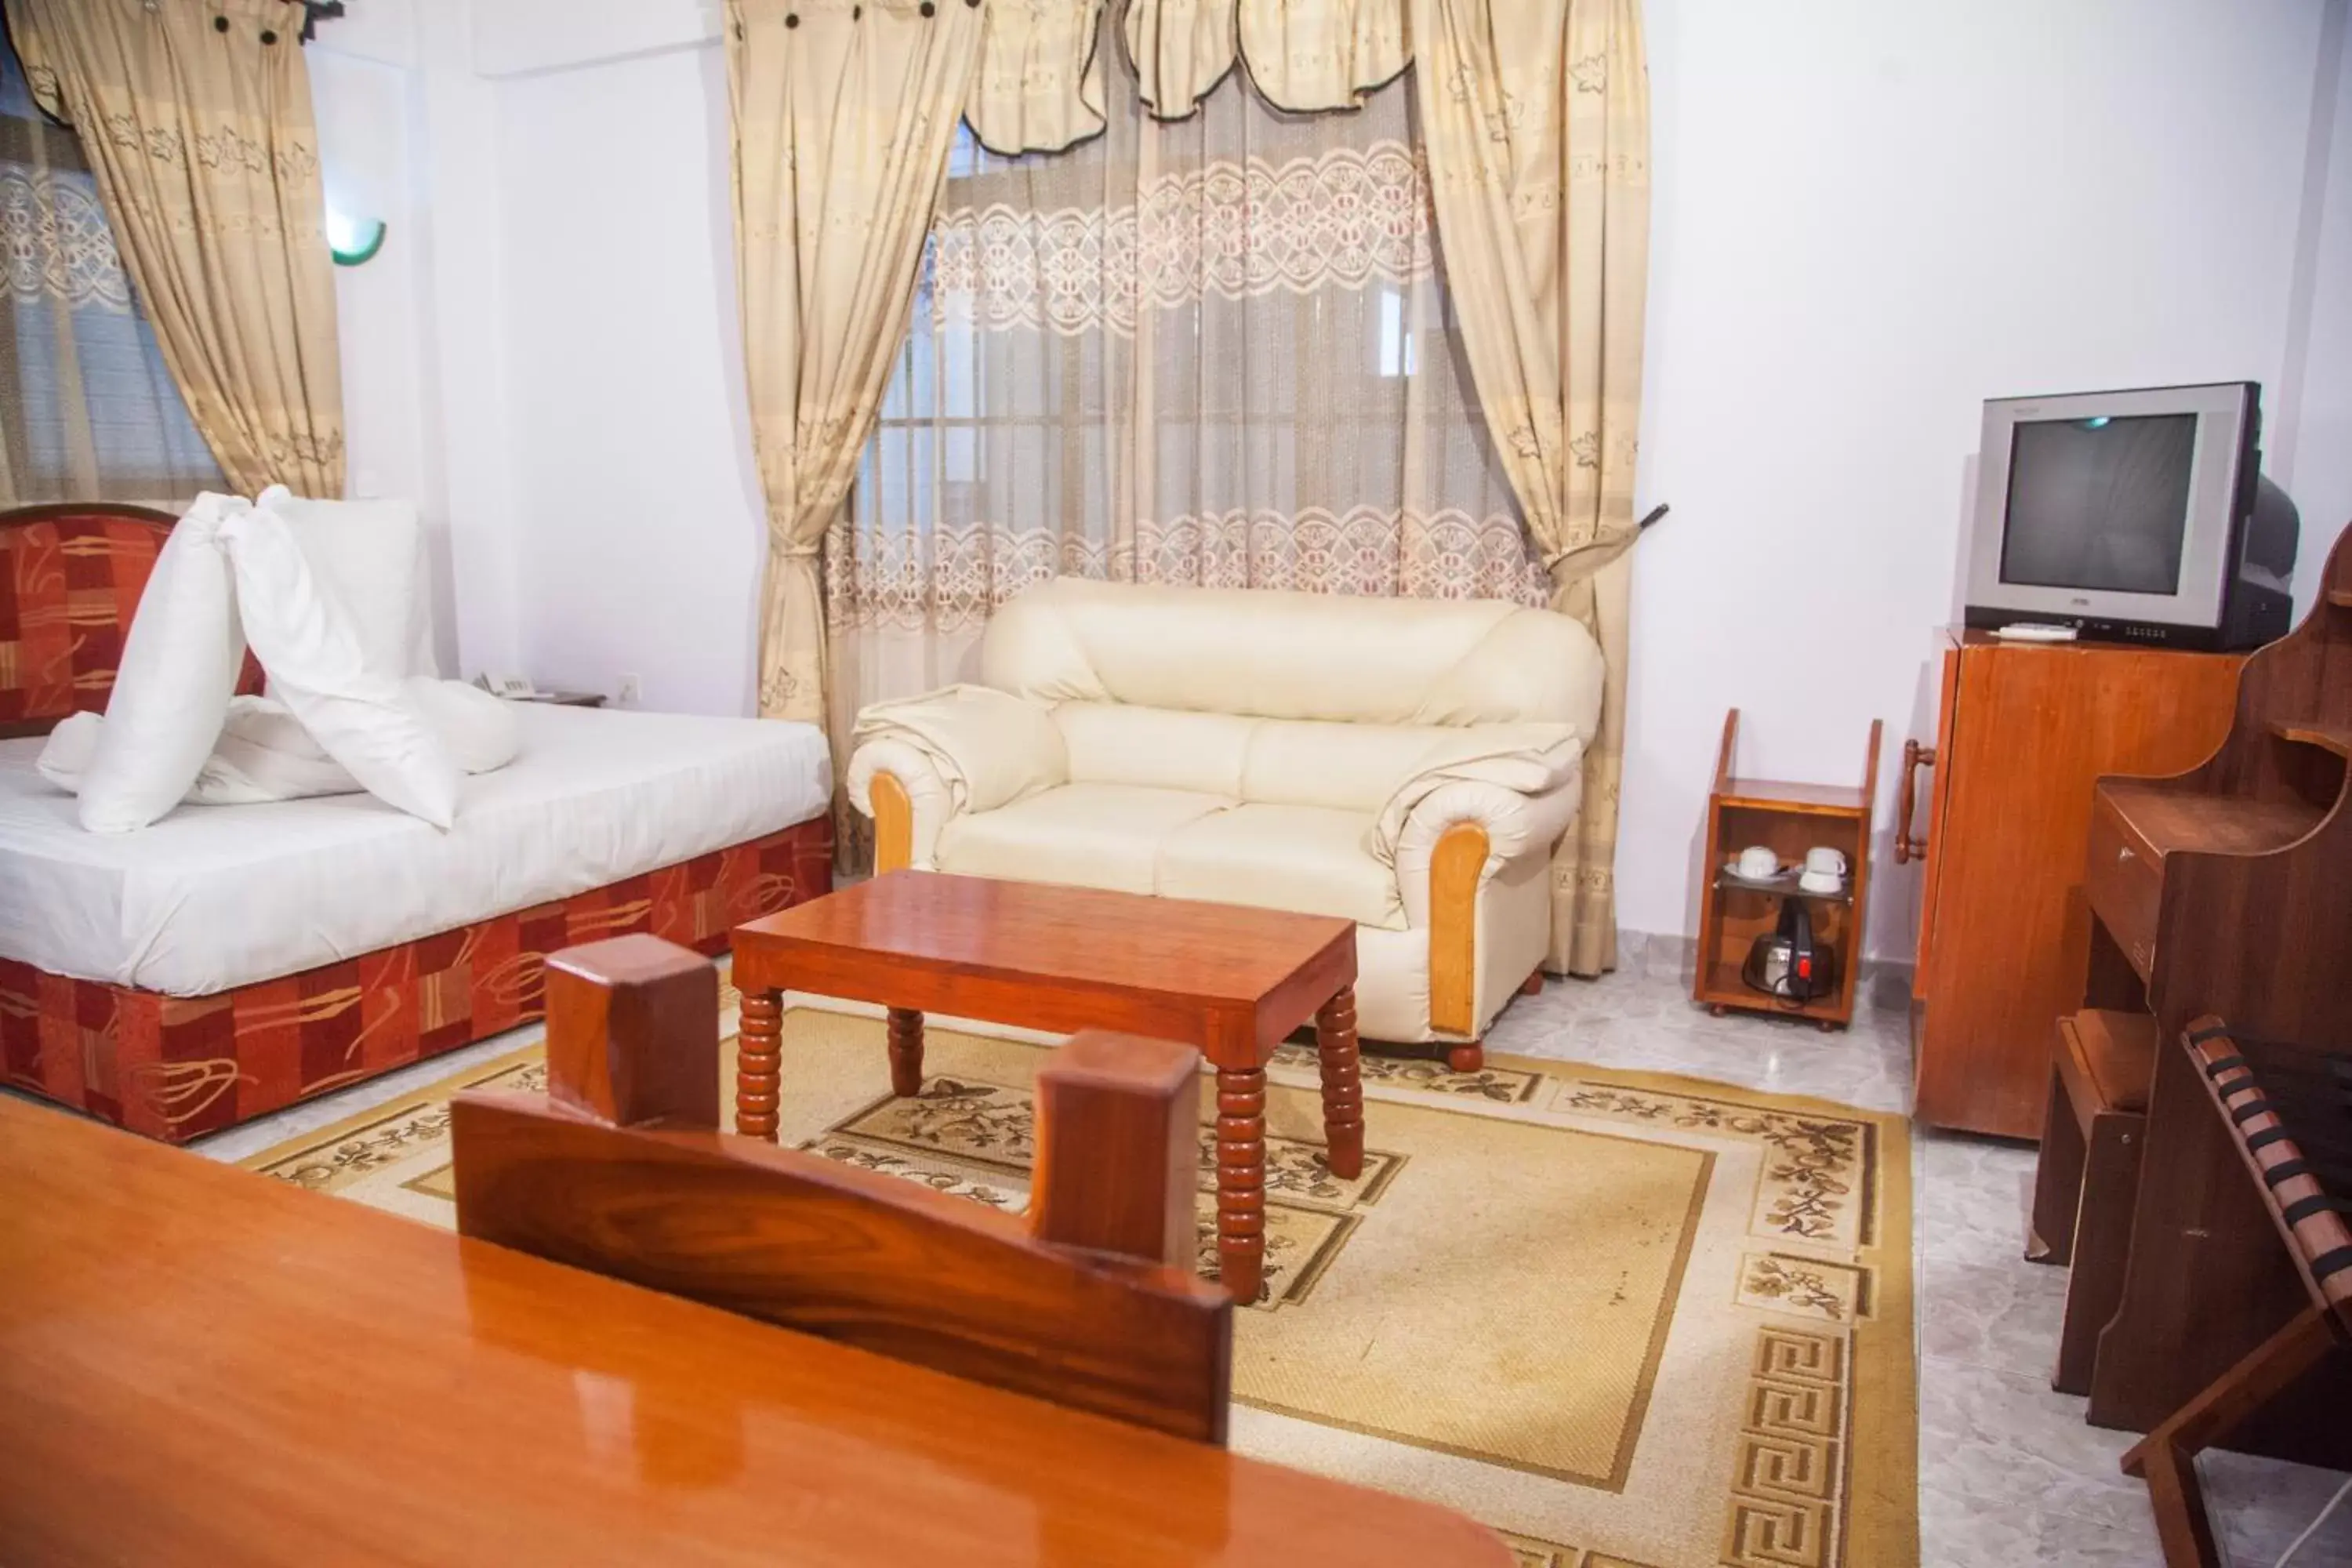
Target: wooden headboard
70, 577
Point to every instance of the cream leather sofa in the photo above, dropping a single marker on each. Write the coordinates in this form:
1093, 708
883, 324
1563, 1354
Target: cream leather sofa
1407, 764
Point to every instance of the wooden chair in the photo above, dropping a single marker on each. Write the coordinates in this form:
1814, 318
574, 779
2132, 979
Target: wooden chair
2285, 1109
2087, 1178
619, 1169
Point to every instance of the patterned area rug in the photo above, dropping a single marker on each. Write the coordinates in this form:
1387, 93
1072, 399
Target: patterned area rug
1629, 1320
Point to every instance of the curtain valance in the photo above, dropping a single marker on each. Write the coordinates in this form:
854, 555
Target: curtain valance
1040, 83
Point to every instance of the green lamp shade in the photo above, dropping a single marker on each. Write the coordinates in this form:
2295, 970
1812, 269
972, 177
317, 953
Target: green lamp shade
353, 240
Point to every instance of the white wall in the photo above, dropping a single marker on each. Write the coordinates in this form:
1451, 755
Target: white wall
406, 134
2320, 453
641, 530
1868, 219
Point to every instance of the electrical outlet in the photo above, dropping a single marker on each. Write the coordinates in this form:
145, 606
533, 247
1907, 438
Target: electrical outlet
630, 690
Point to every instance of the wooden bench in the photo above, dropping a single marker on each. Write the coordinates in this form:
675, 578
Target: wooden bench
2088, 1176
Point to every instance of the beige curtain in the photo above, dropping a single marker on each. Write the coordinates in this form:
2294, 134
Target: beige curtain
844, 111
196, 120
1537, 118
1213, 351
88, 411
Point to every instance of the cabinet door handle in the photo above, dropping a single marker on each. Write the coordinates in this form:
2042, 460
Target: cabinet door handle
2123, 853
1907, 847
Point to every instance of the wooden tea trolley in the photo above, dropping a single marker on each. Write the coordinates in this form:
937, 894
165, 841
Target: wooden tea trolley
1734, 911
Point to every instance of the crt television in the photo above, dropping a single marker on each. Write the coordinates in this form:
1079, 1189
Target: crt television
2132, 517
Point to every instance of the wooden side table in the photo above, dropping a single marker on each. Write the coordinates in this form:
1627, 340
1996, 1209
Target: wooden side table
1734, 911
1233, 980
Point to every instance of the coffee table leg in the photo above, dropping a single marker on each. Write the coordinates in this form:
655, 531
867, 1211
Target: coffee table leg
758, 1064
906, 1052
1343, 1086
1241, 1181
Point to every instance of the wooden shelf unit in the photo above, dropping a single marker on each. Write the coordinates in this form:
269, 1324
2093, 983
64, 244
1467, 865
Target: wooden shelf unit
1734, 911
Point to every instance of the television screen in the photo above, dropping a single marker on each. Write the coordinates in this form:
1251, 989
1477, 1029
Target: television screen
2099, 503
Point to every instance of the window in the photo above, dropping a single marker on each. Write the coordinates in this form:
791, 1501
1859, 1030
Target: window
87, 409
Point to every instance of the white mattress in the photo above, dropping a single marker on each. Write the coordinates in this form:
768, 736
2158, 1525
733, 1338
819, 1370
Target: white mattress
216, 897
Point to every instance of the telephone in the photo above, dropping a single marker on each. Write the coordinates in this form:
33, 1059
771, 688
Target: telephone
514, 687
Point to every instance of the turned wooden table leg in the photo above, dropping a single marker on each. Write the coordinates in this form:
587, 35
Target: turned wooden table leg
906, 1052
759, 1063
1241, 1181
1343, 1086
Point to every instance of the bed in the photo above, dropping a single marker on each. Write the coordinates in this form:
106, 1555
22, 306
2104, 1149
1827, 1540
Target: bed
230, 961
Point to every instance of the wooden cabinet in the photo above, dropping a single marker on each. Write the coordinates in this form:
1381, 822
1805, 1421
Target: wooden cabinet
2023, 730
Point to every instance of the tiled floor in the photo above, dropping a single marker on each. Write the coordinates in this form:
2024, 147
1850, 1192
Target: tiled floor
2009, 1475
2008, 1472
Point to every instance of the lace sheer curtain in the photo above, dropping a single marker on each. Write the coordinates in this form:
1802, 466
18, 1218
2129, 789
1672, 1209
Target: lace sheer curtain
87, 409
1215, 352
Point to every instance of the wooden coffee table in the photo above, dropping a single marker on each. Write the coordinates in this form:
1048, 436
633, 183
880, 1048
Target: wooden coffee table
1231, 981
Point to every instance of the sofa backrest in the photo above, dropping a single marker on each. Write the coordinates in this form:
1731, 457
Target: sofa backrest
1272, 761
1274, 654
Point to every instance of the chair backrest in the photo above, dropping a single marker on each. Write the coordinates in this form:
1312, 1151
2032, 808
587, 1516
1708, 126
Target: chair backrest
1275, 654
619, 1169
70, 577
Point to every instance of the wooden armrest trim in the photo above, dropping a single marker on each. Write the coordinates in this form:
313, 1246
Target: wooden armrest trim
894, 824
1454, 868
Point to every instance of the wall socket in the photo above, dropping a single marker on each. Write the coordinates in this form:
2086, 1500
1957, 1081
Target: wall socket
630, 691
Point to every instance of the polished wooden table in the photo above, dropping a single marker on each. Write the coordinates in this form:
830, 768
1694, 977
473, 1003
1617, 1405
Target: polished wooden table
1232, 980
198, 1364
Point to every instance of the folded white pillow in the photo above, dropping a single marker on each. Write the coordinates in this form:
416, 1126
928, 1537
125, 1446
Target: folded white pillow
179, 668
371, 555
306, 639
478, 728
265, 754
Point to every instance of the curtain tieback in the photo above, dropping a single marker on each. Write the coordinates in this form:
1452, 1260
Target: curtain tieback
795, 551
1581, 561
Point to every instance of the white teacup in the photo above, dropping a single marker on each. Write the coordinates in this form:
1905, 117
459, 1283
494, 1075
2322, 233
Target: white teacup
1829, 862
1814, 881
1757, 862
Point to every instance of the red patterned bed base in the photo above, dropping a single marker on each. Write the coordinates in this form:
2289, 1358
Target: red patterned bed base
175, 1068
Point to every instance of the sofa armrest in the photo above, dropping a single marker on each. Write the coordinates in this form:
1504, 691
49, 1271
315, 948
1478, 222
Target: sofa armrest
1515, 826
965, 749
903, 791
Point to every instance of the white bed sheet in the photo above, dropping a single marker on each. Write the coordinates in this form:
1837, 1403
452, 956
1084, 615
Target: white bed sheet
216, 897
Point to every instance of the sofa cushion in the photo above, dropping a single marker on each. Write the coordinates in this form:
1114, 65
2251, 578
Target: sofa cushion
1079, 834
1163, 748
1310, 859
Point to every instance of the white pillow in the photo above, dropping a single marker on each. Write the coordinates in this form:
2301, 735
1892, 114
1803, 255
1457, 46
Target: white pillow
478, 728
179, 668
305, 639
265, 754
370, 554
